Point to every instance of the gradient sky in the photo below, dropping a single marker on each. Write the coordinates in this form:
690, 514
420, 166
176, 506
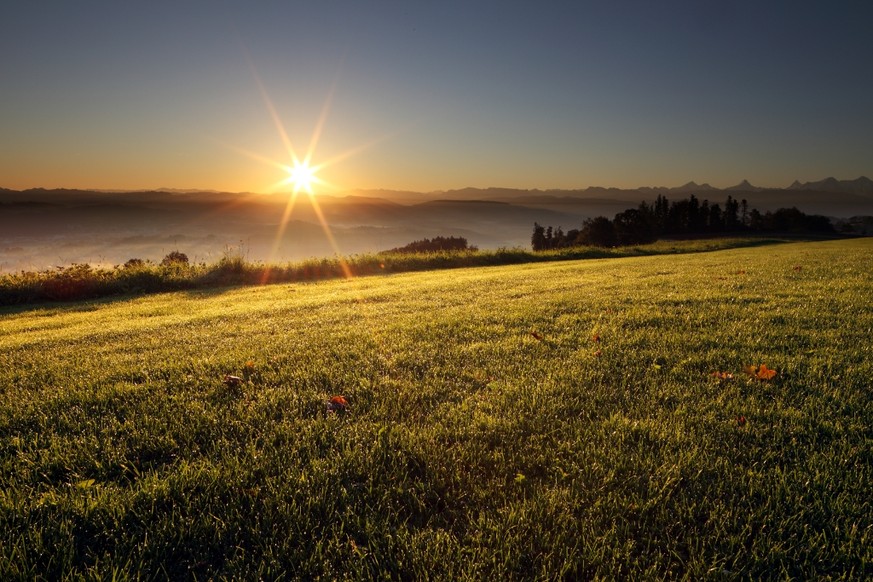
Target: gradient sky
435, 95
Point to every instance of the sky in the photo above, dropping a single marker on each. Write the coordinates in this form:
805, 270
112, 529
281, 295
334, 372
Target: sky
428, 96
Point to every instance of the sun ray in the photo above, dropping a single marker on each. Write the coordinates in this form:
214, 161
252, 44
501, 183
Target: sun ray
301, 175
358, 149
347, 272
277, 121
319, 126
311, 171
257, 157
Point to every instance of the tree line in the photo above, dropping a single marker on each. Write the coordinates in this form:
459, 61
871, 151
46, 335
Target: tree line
688, 217
434, 245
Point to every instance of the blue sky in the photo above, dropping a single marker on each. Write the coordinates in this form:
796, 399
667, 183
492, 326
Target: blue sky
432, 96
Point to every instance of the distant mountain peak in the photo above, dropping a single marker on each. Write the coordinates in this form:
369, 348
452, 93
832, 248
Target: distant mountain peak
745, 186
692, 187
861, 185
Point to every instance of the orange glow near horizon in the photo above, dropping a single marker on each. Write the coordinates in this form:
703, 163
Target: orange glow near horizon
300, 174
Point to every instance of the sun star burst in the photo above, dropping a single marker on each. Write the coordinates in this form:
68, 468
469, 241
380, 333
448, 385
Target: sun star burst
302, 176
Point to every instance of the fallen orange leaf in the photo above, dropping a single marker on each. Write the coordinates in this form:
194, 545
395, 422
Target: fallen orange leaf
537, 336
337, 404
761, 372
722, 375
765, 373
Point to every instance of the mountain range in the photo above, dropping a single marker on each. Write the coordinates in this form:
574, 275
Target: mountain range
859, 186
42, 228
862, 185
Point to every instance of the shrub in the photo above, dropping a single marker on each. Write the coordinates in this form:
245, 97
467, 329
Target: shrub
175, 258
134, 263
77, 281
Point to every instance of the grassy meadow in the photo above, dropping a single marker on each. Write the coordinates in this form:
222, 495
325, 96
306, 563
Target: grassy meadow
553, 420
82, 281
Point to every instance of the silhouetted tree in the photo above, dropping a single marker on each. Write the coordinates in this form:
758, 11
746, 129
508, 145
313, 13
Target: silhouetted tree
703, 217
819, 223
793, 220
662, 214
632, 227
538, 238
756, 221
715, 222
598, 232
693, 214
679, 217
647, 223
572, 237
731, 208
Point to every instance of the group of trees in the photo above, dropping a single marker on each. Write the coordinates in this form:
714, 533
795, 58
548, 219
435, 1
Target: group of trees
436, 244
687, 217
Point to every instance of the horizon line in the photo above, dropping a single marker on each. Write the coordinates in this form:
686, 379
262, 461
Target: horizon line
687, 185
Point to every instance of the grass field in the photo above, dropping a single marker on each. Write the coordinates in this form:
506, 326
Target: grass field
542, 421
80, 282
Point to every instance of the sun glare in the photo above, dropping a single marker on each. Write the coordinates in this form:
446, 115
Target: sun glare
301, 176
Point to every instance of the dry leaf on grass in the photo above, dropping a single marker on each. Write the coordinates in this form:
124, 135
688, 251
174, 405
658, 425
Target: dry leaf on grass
761, 372
337, 404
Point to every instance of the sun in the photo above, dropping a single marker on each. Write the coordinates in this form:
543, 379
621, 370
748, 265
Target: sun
301, 176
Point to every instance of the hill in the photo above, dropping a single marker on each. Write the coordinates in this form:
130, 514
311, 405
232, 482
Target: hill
42, 229
553, 420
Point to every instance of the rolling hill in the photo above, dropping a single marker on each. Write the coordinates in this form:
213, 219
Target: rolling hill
42, 228
703, 417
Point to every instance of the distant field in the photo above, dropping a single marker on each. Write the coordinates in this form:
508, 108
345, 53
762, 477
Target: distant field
554, 420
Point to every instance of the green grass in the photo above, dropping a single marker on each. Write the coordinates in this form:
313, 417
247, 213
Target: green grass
471, 449
82, 281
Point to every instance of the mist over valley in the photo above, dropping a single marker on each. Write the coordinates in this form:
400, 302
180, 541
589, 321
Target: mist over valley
41, 229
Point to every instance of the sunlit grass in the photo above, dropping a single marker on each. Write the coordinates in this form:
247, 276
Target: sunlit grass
82, 281
471, 448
